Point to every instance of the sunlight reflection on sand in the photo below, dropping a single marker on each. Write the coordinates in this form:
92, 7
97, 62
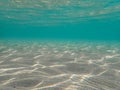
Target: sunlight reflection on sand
59, 66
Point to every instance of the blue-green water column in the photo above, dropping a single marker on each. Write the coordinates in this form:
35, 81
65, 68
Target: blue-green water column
91, 30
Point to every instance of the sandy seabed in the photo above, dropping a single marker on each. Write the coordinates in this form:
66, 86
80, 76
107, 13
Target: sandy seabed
33, 65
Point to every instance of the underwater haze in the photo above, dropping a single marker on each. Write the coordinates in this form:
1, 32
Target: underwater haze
60, 19
59, 44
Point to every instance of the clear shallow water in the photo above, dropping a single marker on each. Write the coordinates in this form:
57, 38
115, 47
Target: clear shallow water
59, 45
61, 65
60, 19
49, 12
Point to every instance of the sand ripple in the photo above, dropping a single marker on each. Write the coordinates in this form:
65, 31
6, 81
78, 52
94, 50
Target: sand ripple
59, 66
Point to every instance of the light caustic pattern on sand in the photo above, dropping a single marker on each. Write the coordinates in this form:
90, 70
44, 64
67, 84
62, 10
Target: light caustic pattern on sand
59, 66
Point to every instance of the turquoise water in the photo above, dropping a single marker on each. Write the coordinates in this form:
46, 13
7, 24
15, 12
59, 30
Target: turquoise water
60, 19
59, 44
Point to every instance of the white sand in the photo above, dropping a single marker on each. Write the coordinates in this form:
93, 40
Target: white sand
59, 66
